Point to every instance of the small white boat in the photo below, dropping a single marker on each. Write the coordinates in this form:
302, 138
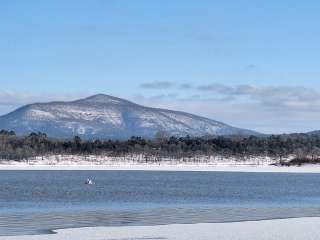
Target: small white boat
89, 182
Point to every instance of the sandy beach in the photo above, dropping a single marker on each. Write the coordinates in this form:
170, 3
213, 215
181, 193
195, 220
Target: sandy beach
293, 229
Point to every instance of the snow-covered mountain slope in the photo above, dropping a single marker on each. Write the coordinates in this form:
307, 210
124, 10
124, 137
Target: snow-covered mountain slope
103, 116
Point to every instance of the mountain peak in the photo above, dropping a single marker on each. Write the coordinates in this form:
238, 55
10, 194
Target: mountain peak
104, 98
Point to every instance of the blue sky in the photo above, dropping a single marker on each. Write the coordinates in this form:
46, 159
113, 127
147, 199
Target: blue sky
251, 64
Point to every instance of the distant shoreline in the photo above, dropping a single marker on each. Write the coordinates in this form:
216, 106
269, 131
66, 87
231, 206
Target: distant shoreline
165, 167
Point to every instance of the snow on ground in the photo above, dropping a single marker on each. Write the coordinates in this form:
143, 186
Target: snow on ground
154, 167
141, 160
138, 162
293, 229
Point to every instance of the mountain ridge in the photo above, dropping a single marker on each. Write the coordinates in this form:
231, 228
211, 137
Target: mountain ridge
105, 116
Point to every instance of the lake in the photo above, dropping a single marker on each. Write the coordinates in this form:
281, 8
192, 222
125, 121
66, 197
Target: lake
33, 202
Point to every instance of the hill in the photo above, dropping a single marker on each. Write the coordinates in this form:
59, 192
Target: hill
103, 116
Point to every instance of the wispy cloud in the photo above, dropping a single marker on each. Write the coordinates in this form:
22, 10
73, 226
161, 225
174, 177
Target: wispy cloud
157, 85
216, 87
185, 86
282, 98
276, 97
270, 109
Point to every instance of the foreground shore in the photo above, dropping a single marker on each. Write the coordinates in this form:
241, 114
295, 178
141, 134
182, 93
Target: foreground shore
294, 229
166, 167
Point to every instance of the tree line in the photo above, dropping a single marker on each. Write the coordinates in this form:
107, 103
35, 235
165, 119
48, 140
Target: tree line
302, 146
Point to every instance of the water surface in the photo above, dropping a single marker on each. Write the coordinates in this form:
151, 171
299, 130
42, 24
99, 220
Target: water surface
34, 202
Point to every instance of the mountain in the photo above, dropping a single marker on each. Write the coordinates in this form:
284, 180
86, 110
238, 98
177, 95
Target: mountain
103, 116
316, 132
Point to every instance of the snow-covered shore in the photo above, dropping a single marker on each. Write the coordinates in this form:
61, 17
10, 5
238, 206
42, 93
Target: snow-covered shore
166, 167
295, 229
92, 162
